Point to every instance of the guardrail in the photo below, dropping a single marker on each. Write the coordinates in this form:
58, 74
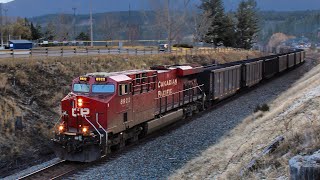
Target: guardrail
61, 52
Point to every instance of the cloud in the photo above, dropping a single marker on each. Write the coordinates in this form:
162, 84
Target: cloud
5, 1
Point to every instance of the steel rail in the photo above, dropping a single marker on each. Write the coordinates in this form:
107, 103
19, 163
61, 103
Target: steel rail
53, 171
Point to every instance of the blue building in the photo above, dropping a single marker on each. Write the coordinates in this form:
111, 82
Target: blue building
20, 44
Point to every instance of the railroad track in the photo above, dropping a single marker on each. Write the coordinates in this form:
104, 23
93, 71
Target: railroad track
54, 171
65, 168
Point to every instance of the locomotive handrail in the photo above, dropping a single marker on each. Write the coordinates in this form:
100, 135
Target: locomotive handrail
200, 88
85, 117
190, 97
97, 120
139, 85
155, 75
57, 121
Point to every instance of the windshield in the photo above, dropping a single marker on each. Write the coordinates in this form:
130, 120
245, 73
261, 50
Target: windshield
85, 88
103, 88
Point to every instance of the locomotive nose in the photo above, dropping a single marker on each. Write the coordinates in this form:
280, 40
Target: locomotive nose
80, 107
80, 102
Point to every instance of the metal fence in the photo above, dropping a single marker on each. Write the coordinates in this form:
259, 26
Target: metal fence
63, 52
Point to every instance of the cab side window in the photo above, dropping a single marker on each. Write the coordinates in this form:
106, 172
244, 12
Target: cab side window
138, 79
144, 77
123, 89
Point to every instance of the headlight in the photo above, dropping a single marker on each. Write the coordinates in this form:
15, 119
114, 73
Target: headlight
85, 130
80, 102
61, 128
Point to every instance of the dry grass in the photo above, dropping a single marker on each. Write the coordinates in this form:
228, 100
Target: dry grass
3, 81
277, 38
294, 114
8, 111
206, 57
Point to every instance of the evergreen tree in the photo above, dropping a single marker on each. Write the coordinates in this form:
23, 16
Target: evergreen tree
83, 37
247, 25
35, 32
49, 33
228, 35
39, 31
214, 11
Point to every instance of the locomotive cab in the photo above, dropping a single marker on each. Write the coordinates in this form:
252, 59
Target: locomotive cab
84, 121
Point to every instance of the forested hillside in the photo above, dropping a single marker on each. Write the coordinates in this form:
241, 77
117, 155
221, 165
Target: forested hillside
296, 23
147, 25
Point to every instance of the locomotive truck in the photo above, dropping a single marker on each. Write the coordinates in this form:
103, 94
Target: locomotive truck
106, 111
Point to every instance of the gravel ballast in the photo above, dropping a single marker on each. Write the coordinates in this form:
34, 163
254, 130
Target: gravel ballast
164, 155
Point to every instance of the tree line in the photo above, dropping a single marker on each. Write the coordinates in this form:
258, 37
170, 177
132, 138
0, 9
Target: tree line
213, 25
24, 29
294, 23
232, 29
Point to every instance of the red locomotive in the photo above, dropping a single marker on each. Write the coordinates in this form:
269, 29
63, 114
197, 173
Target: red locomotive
106, 111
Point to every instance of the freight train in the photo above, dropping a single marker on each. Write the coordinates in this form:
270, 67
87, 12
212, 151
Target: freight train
106, 111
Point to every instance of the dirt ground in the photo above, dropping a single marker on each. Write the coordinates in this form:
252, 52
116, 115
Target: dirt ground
31, 89
293, 115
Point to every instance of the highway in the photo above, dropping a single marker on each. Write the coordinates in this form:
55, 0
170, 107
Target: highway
73, 52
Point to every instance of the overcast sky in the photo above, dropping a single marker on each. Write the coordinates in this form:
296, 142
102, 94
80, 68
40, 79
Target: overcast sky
4, 1
18, 8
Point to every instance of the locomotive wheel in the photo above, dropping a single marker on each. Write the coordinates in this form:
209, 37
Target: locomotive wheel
143, 131
122, 143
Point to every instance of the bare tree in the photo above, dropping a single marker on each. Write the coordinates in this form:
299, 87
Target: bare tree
171, 19
108, 27
133, 28
201, 25
63, 27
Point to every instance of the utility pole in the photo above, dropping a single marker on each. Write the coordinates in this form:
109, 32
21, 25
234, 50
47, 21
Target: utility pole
129, 12
5, 16
91, 24
169, 25
129, 25
74, 23
6, 23
1, 23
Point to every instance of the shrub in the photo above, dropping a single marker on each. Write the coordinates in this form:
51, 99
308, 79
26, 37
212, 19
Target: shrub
263, 108
183, 46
